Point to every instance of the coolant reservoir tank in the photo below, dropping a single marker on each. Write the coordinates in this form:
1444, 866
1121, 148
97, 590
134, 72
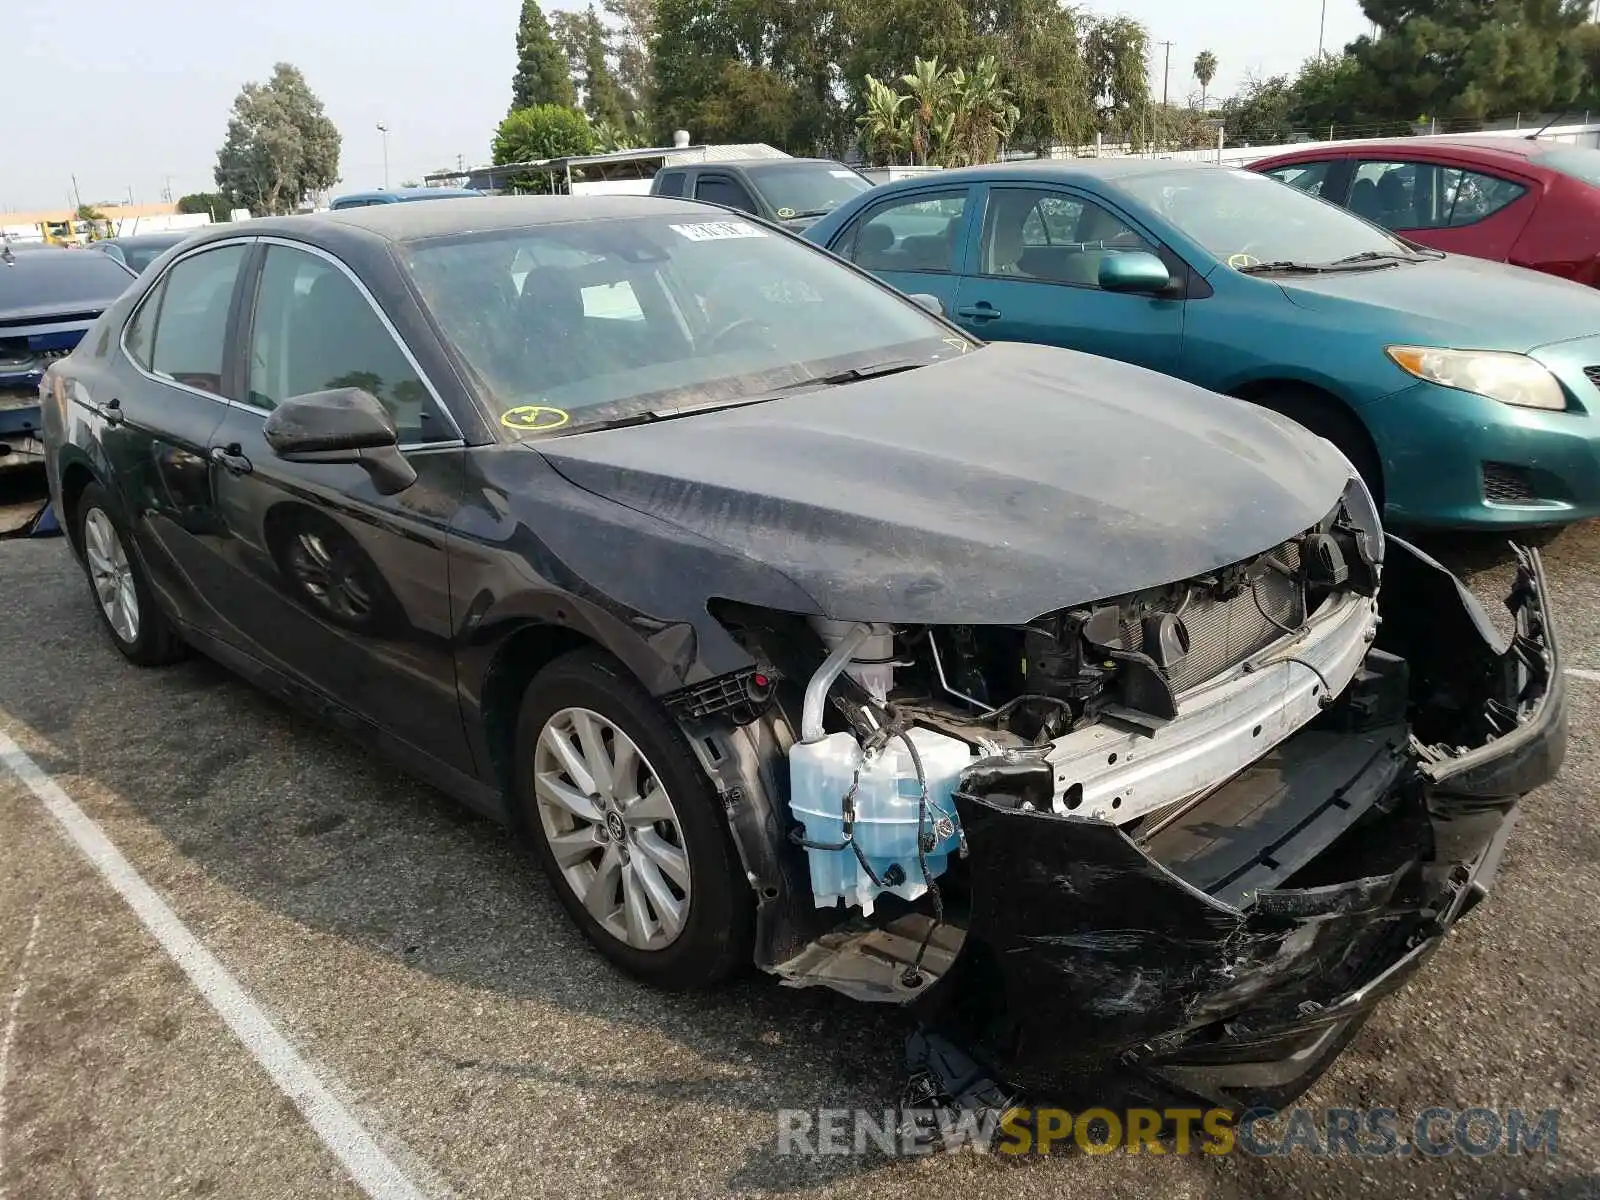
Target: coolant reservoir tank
886, 801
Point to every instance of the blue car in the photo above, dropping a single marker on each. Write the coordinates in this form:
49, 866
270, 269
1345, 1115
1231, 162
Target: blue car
1462, 390
400, 196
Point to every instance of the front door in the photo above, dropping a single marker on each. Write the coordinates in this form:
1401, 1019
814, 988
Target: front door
1032, 274
341, 589
161, 399
1446, 207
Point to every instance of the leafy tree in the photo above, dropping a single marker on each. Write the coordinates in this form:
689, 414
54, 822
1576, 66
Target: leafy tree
213, 204
984, 116
602, 96
932, 95
88, 212
542, 132
884, 38
885, 126
1469, 58
633, 31
1039, 44
1262, 113
542, 76
280, 146
1205, 70
1115, 53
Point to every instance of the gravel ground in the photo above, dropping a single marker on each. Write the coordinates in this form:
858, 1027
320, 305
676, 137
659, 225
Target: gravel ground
429, 974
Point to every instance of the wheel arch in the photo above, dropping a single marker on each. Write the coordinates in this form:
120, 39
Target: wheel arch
1284, 395
76, 475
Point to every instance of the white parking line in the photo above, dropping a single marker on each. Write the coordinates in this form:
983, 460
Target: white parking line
1590, 676
371, 1169
9, 1037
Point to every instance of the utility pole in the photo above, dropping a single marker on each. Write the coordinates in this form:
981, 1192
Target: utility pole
384, 129
1322, 28
1166, 71
77, 196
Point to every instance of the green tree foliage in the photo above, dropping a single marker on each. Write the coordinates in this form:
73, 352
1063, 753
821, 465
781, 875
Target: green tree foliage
1115, 53
280, 147
1470, 58
213, 204
602, 95
1205, 70
632, 30
540, 132
945, 117
1261, 113
542, 74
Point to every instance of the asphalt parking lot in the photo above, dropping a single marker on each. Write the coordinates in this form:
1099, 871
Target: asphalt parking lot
427, 976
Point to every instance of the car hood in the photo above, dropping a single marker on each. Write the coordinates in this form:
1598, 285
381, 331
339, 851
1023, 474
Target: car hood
1468, 303
992, 488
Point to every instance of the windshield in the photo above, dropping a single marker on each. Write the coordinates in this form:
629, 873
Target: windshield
807, 189
579, 324
1247, 219
1577, 162
70, 281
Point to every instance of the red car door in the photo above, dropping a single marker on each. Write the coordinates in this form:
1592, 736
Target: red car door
1449, 205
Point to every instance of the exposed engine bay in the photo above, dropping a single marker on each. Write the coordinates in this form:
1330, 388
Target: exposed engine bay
1239, 793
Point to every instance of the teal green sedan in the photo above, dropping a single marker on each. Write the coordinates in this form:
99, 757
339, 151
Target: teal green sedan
1462, 390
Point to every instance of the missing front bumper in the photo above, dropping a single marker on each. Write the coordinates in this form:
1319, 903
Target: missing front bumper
1089, 954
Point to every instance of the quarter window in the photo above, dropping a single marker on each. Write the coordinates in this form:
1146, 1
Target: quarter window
917, 233
181, 329
1417, 195
671, 184
314, 330
1053, 237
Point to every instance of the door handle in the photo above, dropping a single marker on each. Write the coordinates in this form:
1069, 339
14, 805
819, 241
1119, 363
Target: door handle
982, 311
231, 459
112, 413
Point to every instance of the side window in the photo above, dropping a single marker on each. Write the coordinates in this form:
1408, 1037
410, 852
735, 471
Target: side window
916, 233
719, 189
1307, 177
1416, 195
1049, 236
314, 330
670, 183
1474, 196
180, 329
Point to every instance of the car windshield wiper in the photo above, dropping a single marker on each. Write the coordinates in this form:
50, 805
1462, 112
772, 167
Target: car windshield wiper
877, 370
1283, 264
1378, 256
809, 212
651, 415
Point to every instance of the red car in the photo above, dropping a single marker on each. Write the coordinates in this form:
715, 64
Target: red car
1532, 204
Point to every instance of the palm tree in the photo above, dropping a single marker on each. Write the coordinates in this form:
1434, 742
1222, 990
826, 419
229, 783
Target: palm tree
930, 95
984, 114
883, 125
1205, 70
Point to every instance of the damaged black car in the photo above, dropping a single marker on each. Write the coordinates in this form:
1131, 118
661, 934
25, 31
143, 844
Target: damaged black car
1089, 716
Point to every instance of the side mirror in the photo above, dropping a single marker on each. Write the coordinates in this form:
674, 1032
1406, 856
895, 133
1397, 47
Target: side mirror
1134, 271
928, 301
344, 425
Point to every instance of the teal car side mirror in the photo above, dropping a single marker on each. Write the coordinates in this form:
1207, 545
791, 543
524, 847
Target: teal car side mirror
1135, 271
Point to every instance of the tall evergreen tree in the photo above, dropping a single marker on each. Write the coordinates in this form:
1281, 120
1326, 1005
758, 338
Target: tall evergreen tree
602, 96
542, 76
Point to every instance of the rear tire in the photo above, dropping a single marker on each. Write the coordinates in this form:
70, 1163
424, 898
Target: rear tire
1325, 417
628, 827
119, 587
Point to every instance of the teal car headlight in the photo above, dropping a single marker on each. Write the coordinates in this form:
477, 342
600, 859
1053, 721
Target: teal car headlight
1499, 375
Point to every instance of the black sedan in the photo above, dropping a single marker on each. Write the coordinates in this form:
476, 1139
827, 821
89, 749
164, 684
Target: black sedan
1037, 692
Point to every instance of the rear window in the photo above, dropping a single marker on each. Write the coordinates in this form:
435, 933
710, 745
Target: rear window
1578, 162
68, 280
670, 183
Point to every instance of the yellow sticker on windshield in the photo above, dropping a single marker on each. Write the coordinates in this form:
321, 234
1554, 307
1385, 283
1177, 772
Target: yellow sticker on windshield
785, 213
534, 418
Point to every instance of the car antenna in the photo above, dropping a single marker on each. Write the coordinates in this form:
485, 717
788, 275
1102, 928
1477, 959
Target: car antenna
1534, 137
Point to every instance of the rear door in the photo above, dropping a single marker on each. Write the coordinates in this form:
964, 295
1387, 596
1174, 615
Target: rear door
342, 590
1030, 273
1444, 205
912, 240
160, 401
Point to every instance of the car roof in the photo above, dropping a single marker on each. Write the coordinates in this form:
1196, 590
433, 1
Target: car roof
1052, 170
166, 237
1481, 148
760, 164
444, 218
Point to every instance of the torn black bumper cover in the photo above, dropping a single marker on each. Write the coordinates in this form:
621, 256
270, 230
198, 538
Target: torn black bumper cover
1234, 974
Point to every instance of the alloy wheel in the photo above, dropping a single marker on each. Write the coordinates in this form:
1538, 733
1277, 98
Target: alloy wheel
111, 574
612, 829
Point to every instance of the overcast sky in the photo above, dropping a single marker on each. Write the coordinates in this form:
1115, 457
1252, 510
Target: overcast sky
137, 96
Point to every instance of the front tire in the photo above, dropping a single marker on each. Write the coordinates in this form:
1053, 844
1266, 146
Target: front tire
628, 827
122, 594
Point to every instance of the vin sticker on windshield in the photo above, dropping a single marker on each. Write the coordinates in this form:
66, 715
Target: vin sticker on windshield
718, 231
